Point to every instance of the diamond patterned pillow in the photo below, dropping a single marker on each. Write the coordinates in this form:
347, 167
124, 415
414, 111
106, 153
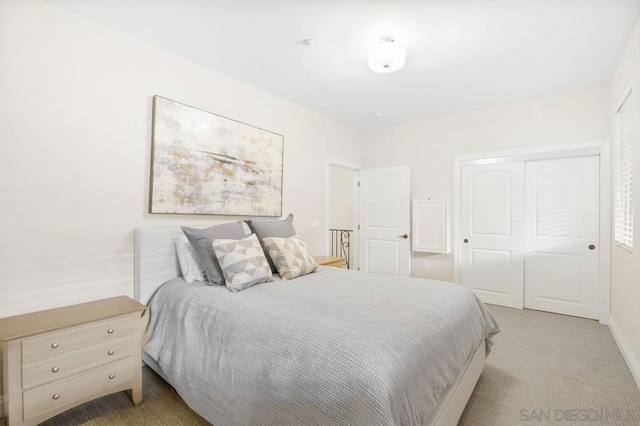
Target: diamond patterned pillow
243, 262
290, 256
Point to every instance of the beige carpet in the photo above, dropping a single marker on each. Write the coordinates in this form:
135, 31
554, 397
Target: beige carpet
549, 365
555, 365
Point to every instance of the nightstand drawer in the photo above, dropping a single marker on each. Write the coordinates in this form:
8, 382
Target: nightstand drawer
56, 395
58, 367
64, 341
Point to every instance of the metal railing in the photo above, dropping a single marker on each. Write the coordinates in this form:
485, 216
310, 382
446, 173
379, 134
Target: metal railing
340, 244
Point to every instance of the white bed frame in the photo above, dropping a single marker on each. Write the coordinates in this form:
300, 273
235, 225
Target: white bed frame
156, 262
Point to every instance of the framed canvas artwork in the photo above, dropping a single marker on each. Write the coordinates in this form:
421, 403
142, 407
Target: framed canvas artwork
203, 163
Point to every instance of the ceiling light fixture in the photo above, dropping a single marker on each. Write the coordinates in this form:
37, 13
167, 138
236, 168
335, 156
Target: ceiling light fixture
387, 56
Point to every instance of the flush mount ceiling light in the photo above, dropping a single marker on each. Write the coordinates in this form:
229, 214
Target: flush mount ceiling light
387, 55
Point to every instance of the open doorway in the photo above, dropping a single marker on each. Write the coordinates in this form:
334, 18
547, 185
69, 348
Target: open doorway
342, 212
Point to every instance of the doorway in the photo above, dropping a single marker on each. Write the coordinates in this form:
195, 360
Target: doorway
368, 217
341, 205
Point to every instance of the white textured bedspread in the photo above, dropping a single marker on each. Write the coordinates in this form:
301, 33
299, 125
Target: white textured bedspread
332, 348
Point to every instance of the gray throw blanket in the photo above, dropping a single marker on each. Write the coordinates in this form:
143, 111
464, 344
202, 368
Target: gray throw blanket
335, 347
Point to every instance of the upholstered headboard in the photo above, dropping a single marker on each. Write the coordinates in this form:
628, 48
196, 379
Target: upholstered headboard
156, 260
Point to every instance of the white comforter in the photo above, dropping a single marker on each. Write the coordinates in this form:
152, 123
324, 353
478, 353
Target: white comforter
332, 348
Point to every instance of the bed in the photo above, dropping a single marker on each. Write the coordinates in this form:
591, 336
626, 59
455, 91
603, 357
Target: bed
332, 347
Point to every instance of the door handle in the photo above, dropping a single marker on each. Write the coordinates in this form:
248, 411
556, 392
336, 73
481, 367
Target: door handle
465, 241
592, 247
405, 236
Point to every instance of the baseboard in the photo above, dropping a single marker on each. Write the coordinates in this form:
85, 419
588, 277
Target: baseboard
628, 356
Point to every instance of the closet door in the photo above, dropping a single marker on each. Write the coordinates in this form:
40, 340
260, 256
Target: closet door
562, 228
492, 232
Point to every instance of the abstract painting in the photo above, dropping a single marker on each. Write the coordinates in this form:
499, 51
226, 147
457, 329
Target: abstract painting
203, 163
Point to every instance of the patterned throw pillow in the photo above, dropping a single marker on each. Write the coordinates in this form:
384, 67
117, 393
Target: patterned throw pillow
290, 256
272, 229
202, 239
243, 262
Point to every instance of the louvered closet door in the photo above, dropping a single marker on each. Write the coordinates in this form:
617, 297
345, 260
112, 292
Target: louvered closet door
492, 232
562, 229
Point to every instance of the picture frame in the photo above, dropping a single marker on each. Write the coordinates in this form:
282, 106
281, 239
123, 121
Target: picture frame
206, 164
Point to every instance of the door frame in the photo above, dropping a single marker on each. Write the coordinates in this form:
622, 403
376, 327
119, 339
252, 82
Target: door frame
353, 244
600, 147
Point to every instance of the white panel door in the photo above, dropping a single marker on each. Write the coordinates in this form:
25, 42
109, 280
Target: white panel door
562, 246
385, 200
492, 232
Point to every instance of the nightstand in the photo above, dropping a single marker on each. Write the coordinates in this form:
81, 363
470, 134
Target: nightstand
333, 261
57, 359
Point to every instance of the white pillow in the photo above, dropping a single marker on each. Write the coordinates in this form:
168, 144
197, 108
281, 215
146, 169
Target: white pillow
190, 265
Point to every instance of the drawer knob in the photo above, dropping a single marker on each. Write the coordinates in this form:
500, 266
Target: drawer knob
56, 396
110, 331
54, 345
110, 353
112, 376
55, 369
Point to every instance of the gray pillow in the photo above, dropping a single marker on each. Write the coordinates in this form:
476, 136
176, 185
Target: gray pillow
270, 229
202, 242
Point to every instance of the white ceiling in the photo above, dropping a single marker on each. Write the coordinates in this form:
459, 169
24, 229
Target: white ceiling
461, 54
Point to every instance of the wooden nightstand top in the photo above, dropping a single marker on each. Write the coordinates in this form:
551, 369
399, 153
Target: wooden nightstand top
329, 261
25, 325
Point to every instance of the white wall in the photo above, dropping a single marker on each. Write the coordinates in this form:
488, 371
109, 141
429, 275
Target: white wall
625, 266
340, 197
429, 146
75, 117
